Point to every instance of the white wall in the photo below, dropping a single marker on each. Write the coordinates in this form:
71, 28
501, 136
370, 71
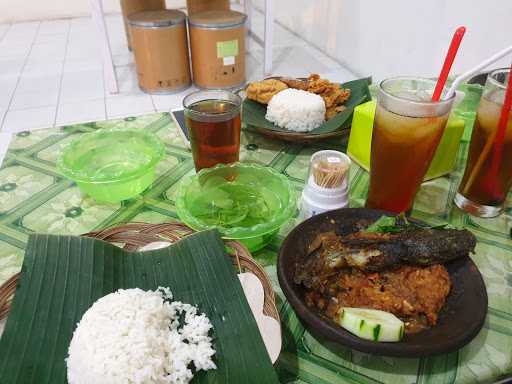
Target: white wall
398, 37
19, 10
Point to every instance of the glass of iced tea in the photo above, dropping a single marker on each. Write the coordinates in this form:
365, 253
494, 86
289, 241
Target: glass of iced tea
213, 121
407, 129
488, 175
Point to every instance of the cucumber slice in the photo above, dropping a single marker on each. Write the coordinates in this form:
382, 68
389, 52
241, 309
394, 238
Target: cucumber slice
372, 324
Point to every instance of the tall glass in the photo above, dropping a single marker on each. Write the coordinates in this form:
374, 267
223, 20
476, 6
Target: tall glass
407, 129
488, 175
213, 121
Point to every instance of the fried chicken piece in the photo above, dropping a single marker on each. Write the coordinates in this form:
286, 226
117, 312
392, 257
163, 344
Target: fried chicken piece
333, 111
414, 294
343, 96
432, 286
330, 95
318, 85
334, 95
295, 83
263, 91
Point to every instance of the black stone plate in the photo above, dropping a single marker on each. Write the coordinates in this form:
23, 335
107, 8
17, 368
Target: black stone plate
460, 319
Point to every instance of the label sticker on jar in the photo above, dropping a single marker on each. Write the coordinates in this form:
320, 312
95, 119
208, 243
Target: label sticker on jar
227, 48
230, 60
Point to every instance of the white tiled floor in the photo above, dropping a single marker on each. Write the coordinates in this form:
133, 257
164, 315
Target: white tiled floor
51, 73
26, 119
79, 111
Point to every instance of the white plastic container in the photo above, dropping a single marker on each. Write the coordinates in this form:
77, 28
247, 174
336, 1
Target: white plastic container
317, 199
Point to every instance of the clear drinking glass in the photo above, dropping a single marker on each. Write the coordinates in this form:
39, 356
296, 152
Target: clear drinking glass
407, 129
488, 175
213, 121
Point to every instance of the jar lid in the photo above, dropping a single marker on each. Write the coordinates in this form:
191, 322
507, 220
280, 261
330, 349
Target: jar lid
156, 19
217, 19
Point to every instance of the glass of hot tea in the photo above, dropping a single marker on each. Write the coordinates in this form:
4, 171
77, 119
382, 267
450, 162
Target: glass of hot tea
407, 129
213, 121
488, 175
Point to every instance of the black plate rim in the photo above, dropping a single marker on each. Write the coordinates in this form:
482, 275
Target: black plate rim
327, 329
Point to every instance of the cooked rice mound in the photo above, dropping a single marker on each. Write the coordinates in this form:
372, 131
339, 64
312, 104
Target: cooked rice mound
296, 110
139, 337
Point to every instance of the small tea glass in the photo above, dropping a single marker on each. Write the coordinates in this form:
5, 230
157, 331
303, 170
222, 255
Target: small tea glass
213, 120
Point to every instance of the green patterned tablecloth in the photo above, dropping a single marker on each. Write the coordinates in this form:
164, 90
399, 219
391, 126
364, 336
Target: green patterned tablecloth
34, 197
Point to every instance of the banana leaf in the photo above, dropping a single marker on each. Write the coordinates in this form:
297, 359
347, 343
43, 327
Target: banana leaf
62, 276
253, 113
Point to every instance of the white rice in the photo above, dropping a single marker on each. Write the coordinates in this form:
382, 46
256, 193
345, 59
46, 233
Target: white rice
135, 337
296, 110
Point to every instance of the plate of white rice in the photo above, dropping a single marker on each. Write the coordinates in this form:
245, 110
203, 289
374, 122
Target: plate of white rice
296, 110
137, 336
299, 116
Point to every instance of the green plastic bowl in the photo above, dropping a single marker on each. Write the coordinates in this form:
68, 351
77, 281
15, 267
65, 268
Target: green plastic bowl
112, 165
245, 202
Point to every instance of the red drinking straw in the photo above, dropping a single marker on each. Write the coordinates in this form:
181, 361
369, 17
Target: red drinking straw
448, 61
492, 176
